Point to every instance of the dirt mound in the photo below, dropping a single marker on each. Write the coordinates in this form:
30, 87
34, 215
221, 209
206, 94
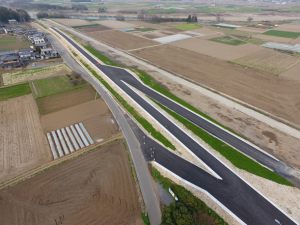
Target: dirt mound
96, 188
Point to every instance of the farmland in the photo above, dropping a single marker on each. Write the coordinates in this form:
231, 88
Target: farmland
122, 40
217, 50
63, 100
73, 22
50, 86
273, 38
33, 74
292, 73
247, 85
80, 191
14, 91
279, 33
7, 40
228, 40
115, 24
93, 28
188, 26
269, 61
23, 145
89, 25
94, 115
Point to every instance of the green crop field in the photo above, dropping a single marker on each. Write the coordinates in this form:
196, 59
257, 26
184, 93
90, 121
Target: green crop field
50, 86
188, 26
228, 40
89, 25
14, 91
7, 40
256, 41
279, 33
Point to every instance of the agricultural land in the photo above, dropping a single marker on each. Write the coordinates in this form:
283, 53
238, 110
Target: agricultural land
81, 191
10, 42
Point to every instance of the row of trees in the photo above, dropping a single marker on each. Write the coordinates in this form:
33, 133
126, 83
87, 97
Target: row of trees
37, 6
159, 18
8, 14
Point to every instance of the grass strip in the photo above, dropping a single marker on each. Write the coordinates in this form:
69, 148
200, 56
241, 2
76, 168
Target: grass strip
279, 33
188, 26
14, 91
228, 40
157, 135
145, 219
194, 207
89, 25
238, 159
41, 24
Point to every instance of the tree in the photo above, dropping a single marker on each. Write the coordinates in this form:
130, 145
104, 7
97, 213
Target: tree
42, 15
23, 15
189, 19
141, 17
75, 82
201, 218
76, 74
219, 19
120, 17
101, 10
249, 19
38, 49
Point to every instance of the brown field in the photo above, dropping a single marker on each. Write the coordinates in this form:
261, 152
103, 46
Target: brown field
154, 34
295, 41
14, 46
269, 61
115, 24
288, 27
93, 28
210, 36
94, 115
204, 30
122, 39
292, 73
73, 22
56, 102
273, 38
23, 145
252, 29
248, 85
217, 50
156, 26
96, 189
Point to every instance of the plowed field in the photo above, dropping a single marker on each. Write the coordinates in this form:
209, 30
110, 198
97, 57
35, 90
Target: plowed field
122, 40
93, 28
268, 60
96, 189
56, 102
23, 145
272, 94
292, 73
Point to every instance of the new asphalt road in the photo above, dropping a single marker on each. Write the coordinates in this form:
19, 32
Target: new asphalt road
234, 193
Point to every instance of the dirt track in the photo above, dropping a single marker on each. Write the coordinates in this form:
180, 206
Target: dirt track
122, 39
23, 145
96, 188
275, 95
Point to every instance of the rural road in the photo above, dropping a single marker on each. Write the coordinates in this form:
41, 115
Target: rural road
233, 192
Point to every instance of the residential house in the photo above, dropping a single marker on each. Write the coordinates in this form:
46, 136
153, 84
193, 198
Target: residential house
8, 30
26, 50
11, 61
25, 55
12, 22
5, 53
48, 53
2, 25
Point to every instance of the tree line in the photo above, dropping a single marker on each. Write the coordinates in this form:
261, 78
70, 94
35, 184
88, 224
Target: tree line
8, 14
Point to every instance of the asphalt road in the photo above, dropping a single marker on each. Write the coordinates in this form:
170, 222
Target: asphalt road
231, 191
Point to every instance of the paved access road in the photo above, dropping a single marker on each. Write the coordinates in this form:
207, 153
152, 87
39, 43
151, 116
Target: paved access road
231, 191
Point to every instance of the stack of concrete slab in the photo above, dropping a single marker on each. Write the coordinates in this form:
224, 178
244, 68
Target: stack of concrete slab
293, 48
69, 139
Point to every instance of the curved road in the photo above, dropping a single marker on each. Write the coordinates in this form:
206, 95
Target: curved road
231, 191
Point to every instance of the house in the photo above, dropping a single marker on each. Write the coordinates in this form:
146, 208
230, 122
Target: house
25, 55
8, 30
12, 22
45, 51
38, 40
25, 50
48, 53
2, 25
11, 61
5, 53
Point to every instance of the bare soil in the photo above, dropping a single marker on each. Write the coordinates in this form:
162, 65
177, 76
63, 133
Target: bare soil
268, 60
217, 50
274, 38
154, 34
252, 29
93, 28
288, 27
73, 22
248, 85
292, 73
115, 24
23, 145
60, 101
96, 188
122, 40
94, 115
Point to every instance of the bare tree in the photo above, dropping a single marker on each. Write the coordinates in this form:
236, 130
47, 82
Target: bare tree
120, 17
218, 18
75, 82
250, 19
141, 17
76, 74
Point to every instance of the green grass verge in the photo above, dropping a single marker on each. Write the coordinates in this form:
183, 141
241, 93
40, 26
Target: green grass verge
238, 159
7, 40
188, 26
74, 54
99, 56
279, 33
41, 24
189, 205
89, 25
155, 134
145, 219
50, 86
228, 40
14, 91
